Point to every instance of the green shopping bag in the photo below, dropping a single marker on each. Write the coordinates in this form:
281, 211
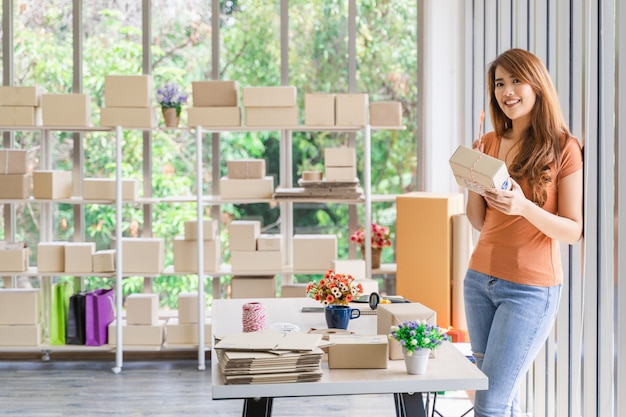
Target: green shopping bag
59, 312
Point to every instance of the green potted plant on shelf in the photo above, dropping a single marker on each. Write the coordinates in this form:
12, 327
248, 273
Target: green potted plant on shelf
171, 99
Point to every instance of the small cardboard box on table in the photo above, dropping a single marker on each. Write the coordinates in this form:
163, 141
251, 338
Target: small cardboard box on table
424, 249
358, 351
477, 171
394, 314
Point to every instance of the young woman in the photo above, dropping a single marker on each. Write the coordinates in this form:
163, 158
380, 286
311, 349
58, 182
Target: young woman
513, 283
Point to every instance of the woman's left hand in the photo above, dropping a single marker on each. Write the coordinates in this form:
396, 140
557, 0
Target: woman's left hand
509, 202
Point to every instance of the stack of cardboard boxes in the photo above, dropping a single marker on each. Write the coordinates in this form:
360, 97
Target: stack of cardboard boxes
271, 106
74, 257
246, 179
129, 101
215, 104
183, 330
340, 164
346, 110
20, 106
21, 317
142, 326
14, 181
186, 247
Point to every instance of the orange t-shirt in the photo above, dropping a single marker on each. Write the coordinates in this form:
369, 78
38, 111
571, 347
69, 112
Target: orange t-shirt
510, 247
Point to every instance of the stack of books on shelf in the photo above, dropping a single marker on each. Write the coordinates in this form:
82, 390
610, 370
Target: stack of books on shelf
269, 356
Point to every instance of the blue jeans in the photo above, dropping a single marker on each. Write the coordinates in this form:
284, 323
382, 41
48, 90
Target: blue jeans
508, 324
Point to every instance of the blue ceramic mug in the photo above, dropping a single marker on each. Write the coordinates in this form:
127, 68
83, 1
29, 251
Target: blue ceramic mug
338, 317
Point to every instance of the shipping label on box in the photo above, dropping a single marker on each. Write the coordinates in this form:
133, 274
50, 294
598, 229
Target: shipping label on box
245, 261
21, 96
20, 306
14, 257
51, 256
247, 189
271, 116
66, 110
52, 184
209, 229
479, 172
14, 186
246, 168
78, 257
253, 287
278, 96
395, 314
103, 261
319, 109
271, 243
20, 116
128, 90
142, 309
141, 117
104, 189
242, 235
186, 255
386, 113
351, 109
215, 93
314, 252
142, 255
358, 351
22, 335
214, 116
13, 161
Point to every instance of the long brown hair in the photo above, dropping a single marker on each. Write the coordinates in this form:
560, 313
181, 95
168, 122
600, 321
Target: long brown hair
540, 144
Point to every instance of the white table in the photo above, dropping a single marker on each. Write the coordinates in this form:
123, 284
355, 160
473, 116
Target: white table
448, 371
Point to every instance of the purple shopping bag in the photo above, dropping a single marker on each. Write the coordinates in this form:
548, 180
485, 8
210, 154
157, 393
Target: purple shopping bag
99, 313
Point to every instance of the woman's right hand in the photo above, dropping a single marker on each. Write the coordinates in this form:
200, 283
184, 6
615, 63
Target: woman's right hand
478, 145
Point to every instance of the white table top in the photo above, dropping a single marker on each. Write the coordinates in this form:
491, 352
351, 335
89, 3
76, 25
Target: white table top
448, 371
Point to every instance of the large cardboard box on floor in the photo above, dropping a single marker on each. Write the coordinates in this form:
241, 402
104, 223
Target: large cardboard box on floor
13, 161
247, 189
256, 261
358, 351
21, 335
319, 109
138, 334
78, 257
142, 308
215, 93
20, 116
51, 256
275, 96
20, 306
66, 110
314, 252
253, 286
394, 314
214, 116
52, 184
424, 249
14, 186
21, 96
177, 333
128, 90
186, 255
14, 257
142, 255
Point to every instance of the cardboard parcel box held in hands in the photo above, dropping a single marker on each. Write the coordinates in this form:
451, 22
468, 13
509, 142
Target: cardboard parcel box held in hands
479, 172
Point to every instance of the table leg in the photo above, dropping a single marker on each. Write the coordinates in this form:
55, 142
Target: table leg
409, 404
257, 407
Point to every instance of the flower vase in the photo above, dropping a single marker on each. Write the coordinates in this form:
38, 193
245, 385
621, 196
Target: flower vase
376, 254
416, 363
170, 116
339, 316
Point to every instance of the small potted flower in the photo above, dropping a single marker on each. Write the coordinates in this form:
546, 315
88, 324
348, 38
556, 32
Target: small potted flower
381, 238
171, 98
335, 291
417, 339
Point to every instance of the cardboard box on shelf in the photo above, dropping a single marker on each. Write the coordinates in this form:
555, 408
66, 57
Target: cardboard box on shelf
272, 116
186, 255
247, 261
78, 257
269, 243
351, 109
142, 309
340, 173
314, 252
138, 334
242, 235
178, 333
394, 314
20, 306
21, 96
253, 286
276, 96
71, 110
246, 168
246, 189
340, 157
319, 109
142, 117
209, 229
13, 161
358, 351
478, 171
14, 257
52, 184
21, 335
215, 93
386, 113
103, 261
128, 91
214, 116
293, 290
188, 308
20, 116
14, 186
142, 255
354, 267
51, 256
104, 189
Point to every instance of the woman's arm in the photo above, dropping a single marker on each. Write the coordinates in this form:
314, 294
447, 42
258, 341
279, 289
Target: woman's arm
475, 210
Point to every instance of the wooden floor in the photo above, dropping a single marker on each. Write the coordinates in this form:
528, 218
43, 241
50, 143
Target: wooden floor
173, 387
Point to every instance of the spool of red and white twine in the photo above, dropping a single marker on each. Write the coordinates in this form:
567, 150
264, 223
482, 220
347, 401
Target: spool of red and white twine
253, 317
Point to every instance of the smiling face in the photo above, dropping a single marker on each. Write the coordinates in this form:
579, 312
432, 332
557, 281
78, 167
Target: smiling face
515, 98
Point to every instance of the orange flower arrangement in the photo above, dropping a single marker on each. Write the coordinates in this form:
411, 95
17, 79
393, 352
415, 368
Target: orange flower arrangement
334, 289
